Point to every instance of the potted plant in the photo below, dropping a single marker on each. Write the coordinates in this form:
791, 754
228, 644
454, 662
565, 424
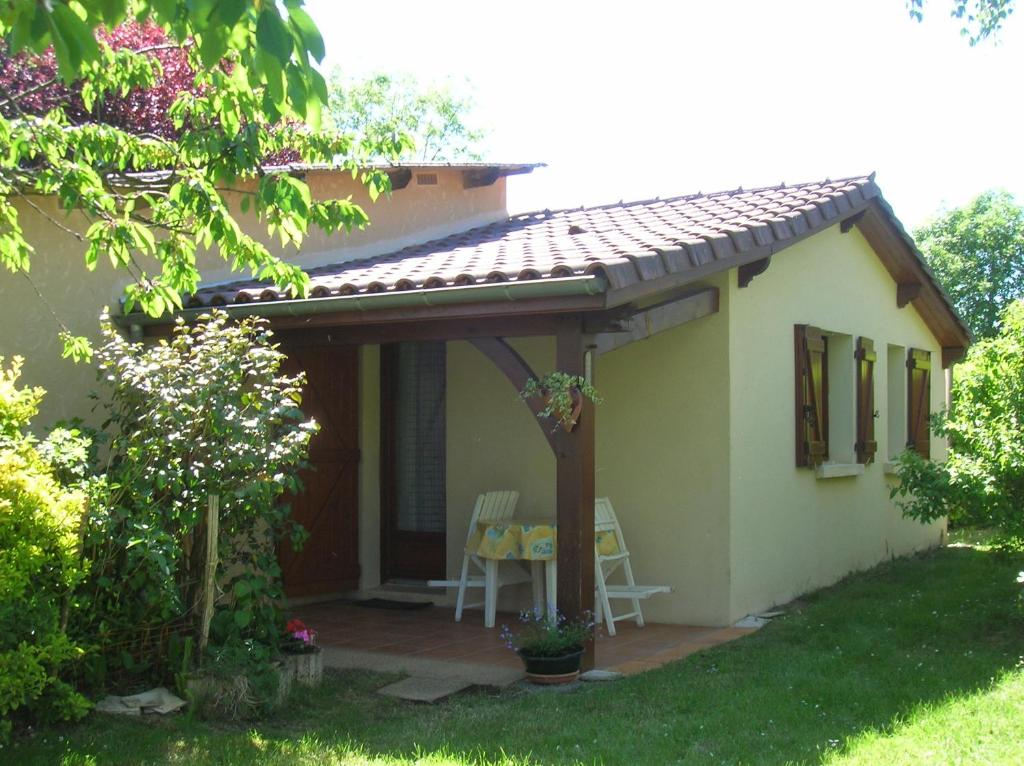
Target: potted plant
563, 396
551, 647
302, 657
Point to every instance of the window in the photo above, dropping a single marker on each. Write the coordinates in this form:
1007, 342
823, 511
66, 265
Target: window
811, 395
842, 397
419, 430
866, 446
896, 400
827, 389
919, 365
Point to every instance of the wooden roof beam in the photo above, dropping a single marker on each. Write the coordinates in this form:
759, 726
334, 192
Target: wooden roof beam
907, 292
400, 178
474, 178
666, 315
746, 273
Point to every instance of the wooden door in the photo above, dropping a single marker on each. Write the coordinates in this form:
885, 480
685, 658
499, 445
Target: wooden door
328, 507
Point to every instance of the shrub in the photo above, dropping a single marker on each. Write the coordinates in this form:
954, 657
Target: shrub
206, 412
39, 566
982, 482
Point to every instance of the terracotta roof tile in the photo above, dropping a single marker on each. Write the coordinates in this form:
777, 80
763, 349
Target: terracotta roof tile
627, 242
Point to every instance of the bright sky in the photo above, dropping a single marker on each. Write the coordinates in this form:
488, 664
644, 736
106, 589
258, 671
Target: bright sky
632, 100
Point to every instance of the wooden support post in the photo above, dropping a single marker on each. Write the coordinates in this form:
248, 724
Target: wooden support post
209, 569
575, 490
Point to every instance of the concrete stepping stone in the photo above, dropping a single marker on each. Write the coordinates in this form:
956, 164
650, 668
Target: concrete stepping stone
424, 689
598, 674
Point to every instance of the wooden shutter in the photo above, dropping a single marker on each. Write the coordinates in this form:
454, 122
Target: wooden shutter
919, 380
811, 396
866, 446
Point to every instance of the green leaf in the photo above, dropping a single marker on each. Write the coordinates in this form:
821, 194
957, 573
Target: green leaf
76, 347
308, 32
272, 36
73, 41
243, 617
229, 12
242, 589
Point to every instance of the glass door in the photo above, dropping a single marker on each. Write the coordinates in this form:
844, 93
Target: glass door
413, 432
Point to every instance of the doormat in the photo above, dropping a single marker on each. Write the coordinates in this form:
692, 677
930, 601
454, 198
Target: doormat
386, 603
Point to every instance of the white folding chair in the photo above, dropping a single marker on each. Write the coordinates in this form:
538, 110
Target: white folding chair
605, 521
499, 505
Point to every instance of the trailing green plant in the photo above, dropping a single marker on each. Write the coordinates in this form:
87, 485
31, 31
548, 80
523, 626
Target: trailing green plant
206, 412
982, 481
39, 566
560, 392
544, 635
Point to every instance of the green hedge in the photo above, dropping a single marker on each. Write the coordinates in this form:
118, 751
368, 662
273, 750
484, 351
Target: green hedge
39, 566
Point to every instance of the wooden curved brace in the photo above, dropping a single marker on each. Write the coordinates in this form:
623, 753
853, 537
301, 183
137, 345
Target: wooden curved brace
518, 372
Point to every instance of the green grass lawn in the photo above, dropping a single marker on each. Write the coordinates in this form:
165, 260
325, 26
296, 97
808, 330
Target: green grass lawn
917, 661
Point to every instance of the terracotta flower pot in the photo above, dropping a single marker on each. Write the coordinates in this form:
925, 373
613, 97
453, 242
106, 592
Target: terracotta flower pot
577, 408
552, 670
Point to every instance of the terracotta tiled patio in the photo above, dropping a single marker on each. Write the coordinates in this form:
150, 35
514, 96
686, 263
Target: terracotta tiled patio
432, 633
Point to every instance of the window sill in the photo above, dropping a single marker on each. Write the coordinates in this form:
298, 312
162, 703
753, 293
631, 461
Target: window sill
838, 470
890, 468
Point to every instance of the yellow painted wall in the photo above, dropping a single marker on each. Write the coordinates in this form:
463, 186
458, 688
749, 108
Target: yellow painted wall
494, 442
792, 532
414, 214
662, 458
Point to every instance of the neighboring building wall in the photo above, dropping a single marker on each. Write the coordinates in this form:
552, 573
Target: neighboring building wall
662, 458
790, 531
414, 214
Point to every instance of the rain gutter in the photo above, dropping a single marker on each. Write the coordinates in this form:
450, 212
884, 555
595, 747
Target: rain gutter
560, 287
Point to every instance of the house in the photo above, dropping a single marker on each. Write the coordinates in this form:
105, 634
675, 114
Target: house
761, 355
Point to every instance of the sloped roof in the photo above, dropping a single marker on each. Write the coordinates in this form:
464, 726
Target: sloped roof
628, 243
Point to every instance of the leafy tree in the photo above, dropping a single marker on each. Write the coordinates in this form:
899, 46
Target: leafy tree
982, 482
206, 412
980, 19
383, 108
977, 253
153, 198
34, 79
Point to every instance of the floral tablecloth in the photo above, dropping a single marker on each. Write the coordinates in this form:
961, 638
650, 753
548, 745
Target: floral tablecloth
526, 541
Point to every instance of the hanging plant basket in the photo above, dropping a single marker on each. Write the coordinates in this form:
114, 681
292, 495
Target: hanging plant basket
572, 416
563, 396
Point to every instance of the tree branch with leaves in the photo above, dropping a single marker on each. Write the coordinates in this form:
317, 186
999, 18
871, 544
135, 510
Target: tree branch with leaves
153, 195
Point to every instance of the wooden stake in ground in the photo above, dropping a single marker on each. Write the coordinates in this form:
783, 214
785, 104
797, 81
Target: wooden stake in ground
209, 569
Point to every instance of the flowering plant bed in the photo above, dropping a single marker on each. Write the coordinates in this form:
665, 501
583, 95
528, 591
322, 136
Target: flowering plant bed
303, 660
299, 639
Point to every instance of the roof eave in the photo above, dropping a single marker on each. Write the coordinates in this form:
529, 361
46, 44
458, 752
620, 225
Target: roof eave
590, 289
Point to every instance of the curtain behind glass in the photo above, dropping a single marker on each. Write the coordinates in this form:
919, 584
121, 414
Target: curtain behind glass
420, 437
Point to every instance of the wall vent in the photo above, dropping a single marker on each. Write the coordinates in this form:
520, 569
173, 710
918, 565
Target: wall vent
426, 179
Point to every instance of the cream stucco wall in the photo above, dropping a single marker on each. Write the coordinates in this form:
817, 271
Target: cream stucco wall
662, 457
663, 460
27, 328
493, 442
792, 532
